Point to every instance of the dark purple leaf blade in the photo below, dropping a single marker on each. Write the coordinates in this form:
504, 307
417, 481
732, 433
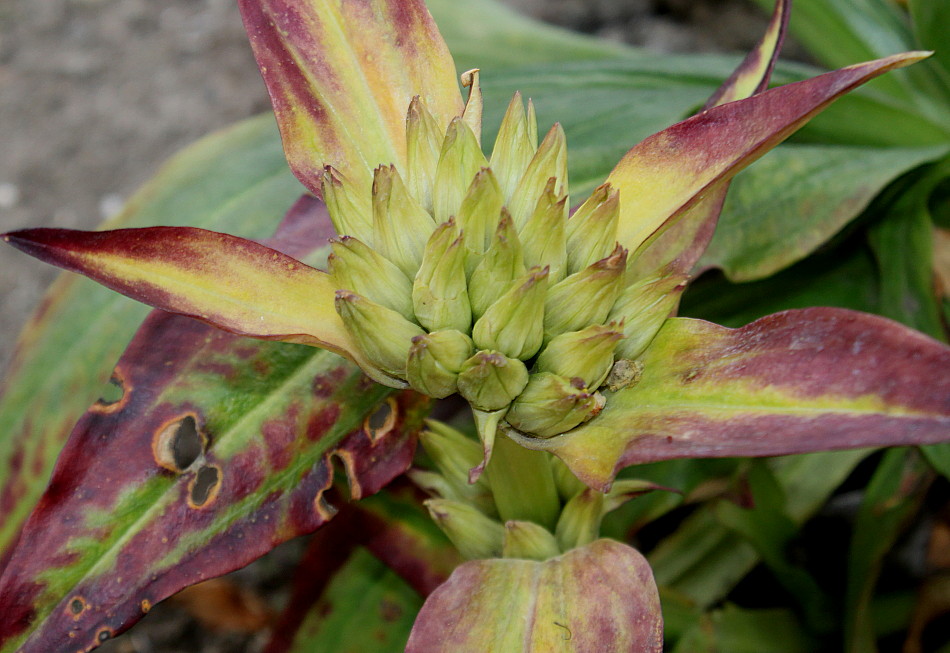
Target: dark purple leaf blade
219, 448
803, 380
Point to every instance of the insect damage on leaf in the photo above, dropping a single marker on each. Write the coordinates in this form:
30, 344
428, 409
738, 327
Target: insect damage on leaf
116, 394
382, 420
204, 486
178, 443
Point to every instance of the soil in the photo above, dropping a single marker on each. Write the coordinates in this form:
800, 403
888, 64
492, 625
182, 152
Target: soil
95, 94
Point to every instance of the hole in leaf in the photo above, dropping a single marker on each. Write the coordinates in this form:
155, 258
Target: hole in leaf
77, 606
204, 485
382, 420
186, 444
112, 393
104, 634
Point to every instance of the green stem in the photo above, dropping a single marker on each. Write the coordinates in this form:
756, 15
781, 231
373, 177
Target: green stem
522, 483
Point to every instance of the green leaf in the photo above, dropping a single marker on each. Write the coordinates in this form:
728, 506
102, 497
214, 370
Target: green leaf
931, 26
735, 630
366, 607
235, 180
796, 198
892, 499
799, 381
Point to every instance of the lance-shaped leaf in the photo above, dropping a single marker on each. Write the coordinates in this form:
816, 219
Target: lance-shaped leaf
235, 284
597, 598
235, 180
218, 449
341, 76
667, 174
799, 381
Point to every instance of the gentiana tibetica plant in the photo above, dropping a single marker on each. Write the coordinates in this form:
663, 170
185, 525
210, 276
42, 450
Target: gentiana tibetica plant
462, 267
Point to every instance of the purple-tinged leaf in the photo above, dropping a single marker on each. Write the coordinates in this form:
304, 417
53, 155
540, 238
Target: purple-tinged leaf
798, 381
597, 598
218, 449
341, 76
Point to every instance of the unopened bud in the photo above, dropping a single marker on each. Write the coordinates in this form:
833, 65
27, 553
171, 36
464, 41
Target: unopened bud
439, 292
435, 360
592, 230
489, 380
550, 160
498, 269
513, 147
529, 541
579, 523
550, 405
587, 354
381, 333
543, 236
356, 267
472, 116
479, 214
474, 534
644, 307
514, 324
585, 297
401, 226
459, 161
423, 144
454, 454
350, 209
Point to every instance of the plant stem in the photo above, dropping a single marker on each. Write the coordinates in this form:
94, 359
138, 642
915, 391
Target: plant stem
523, 484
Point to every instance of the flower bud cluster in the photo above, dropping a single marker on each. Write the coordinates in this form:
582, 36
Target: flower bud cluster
463, 274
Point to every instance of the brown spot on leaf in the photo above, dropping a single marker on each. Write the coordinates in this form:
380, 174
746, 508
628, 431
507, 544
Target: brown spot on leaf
77, 605
204, 487
146, 606
178, 443
382, 420
103, 635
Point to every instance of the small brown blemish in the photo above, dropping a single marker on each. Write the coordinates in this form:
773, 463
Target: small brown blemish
118, 396
178, 443
104, 634
77, 605
146, 606
204, 486
382, 420
623, 374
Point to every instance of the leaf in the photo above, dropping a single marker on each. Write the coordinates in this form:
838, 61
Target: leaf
597, 598
931, 24
352, 116
798, 381
218, 449
237, 180
366, 607
669, 172
811, 192
893, 497
735, 630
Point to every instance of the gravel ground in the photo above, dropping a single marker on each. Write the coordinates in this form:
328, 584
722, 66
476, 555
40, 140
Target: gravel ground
95, 94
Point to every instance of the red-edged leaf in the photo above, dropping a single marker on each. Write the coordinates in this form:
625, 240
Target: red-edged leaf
218, 449
798, 381
669, 173
341, 75
597, 598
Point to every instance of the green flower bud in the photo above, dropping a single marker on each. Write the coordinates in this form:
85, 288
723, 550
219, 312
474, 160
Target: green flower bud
644, 307
585, 297
550, 405
382, 334
435, 360
474, 534
455, 454
459, 161
486, 425
479, 215
513, 147
356, 267
579, 523
472, 116
550, 160
514, 324
400, 226
543, 236
592, 230
489, 380
349, 207
423, 144
529, 541
439, 292
498, 269
587, 354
